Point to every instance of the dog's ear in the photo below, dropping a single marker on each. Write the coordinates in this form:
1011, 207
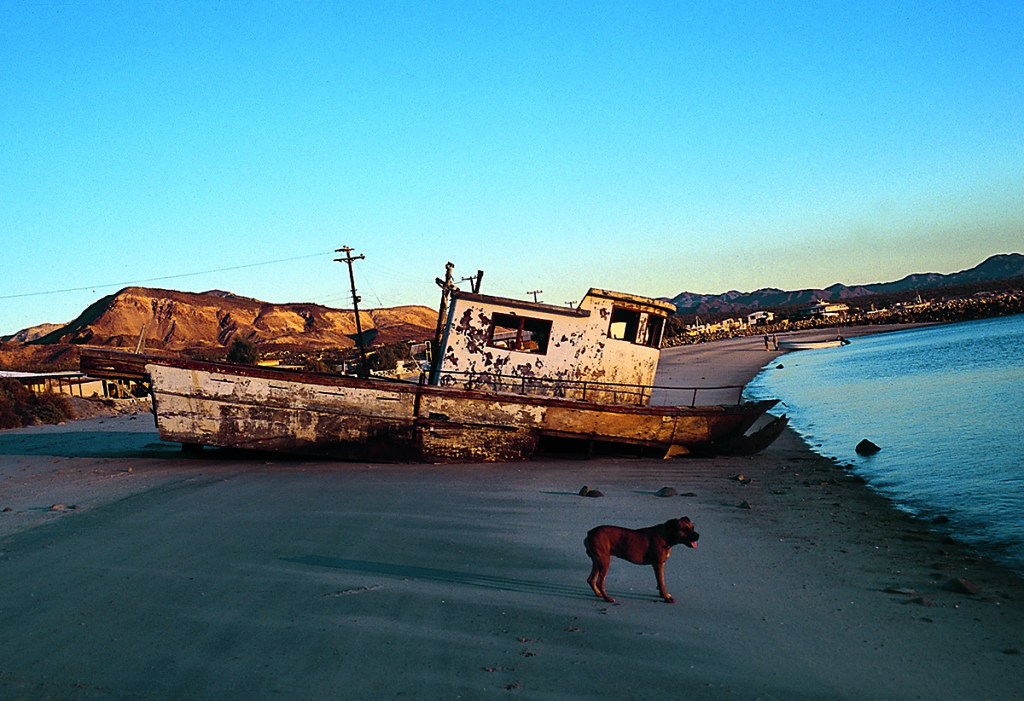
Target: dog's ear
686, 520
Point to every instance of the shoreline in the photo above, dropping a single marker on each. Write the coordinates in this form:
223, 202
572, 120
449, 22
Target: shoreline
738, 360
305, 578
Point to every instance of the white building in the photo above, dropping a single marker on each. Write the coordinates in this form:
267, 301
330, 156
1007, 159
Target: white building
824, 310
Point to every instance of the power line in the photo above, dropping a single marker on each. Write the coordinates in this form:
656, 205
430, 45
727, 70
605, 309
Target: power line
166, 277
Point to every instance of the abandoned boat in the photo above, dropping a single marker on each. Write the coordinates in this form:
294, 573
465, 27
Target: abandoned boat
507, 374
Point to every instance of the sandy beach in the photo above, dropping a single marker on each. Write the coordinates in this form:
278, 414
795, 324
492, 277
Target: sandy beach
131, 570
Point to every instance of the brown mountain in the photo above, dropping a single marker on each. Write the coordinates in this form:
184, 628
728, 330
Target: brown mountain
185, 321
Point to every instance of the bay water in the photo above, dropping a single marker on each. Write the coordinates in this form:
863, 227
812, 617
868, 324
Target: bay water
946, 406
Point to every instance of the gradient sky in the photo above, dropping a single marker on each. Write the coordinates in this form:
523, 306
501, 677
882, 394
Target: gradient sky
645, 147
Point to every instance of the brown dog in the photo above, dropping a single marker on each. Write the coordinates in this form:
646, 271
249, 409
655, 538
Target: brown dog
646, 546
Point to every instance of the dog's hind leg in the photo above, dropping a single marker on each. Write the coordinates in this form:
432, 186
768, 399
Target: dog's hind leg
592, 580
596, 579
602, 561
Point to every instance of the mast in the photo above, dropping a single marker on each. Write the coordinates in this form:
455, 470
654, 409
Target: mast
446, 286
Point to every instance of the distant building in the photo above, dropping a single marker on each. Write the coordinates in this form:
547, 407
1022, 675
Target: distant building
824, 310
70, 382
760, 317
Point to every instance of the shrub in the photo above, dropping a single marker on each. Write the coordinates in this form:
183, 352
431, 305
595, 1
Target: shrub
8, 417
243, 351
387, 357
15, 400
53, 408
21, 407
316, 365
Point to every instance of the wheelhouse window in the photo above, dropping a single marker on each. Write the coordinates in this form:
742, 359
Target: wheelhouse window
636, 327
655, 326
520, 333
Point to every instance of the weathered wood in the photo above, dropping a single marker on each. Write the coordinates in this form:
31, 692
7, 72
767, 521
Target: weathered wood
235, 406
116, 365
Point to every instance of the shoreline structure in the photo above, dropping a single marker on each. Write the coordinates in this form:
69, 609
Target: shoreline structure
134, 570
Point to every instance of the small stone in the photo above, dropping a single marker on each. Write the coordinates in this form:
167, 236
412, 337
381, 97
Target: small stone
960, 585
584, 490
7, 508
595, 493
866, 447
921, 601
745, 505
901, 590
665, 492
58, 507
940, 520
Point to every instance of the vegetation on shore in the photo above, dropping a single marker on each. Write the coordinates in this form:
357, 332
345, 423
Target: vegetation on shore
20, 406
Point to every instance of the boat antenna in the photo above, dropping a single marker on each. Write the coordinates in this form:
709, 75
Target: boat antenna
447, 286
349, 259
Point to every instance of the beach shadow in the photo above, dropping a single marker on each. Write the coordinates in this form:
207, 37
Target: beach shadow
126, 444
469, 579
88, 444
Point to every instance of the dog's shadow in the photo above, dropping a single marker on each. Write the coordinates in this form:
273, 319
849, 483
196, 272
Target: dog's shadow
468, 579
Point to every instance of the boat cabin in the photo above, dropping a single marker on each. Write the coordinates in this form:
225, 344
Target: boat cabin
604, 350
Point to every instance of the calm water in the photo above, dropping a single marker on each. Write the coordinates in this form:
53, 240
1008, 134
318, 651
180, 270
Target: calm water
945, 404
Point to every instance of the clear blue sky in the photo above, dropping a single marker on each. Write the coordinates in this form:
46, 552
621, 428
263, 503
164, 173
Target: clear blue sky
644, 147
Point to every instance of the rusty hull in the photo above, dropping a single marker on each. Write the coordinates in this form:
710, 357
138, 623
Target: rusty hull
346, 418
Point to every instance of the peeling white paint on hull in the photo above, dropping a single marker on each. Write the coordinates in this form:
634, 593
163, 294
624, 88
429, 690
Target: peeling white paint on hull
231, 406
361, 420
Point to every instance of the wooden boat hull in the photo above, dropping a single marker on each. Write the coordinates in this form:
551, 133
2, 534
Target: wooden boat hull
232, 406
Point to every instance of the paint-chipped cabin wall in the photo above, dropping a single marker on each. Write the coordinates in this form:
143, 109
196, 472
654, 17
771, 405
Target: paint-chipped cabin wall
578, 348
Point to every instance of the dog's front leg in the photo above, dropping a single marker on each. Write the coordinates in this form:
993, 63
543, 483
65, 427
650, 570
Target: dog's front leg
659, 574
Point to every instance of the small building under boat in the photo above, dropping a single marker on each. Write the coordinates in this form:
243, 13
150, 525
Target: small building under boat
604, 350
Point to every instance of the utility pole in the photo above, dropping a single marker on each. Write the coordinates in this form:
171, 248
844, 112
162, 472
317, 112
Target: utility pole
535, 293
446, 285
349, 259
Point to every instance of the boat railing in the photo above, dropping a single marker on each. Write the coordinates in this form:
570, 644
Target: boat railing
663, 395
591, 390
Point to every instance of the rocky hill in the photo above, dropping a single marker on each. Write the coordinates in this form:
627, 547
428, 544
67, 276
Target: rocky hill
31, 333
996, 268
182, 322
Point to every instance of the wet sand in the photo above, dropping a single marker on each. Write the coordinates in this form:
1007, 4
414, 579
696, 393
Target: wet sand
222, 576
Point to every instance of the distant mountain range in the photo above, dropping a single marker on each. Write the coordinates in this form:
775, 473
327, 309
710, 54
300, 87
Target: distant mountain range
997, 268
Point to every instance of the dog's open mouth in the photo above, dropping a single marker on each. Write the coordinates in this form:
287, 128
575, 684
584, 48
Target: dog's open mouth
692, 544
